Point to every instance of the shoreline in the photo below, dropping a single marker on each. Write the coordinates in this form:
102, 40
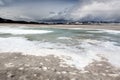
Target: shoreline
15, 66
102, 26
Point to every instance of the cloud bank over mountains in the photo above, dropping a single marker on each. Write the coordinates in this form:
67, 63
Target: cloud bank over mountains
107, 10
82, 10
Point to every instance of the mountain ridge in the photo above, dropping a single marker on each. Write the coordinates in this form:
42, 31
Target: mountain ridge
54, 21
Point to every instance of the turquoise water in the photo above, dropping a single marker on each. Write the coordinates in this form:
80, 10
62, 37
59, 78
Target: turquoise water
83, 45
73, 35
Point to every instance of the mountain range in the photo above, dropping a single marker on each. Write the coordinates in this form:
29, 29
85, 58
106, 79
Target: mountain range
55, 21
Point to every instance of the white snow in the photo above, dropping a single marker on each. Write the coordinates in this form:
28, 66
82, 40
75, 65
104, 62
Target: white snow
67, 38
80, 60
18, 31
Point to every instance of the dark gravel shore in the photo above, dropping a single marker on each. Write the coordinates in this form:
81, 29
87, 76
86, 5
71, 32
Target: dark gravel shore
15, 66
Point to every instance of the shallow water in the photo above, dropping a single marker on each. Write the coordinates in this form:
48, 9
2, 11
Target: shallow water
82, 45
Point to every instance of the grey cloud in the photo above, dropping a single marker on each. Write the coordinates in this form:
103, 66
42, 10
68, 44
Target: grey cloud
107, 10
32, 10
1, 3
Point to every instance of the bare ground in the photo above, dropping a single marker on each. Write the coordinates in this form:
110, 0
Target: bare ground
15, 66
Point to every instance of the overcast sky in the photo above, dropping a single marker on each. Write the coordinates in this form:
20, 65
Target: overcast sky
107, 10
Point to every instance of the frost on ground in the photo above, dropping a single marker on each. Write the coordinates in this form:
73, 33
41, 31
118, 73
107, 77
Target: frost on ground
25, 67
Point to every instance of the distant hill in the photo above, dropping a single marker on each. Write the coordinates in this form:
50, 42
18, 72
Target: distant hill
12, 21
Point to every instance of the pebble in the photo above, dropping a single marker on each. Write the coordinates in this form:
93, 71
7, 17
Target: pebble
35, 75
84, 72
41, 63
9, 65
113, 75
72, 73
99, 64
103, 74
44, 68
27, 65
21, 68
10, 75
63, 72
58, 72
